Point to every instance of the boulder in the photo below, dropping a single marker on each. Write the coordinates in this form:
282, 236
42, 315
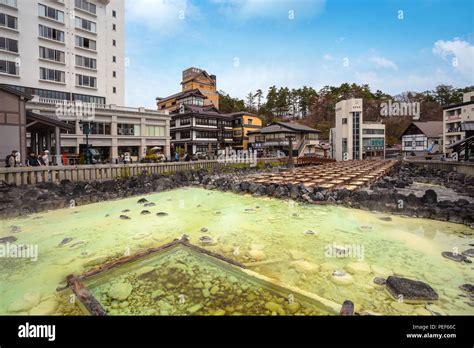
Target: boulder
9, 239
120, 291
454, 256
305, 267
358, 268
430, 197
257, 255
411, 290
468, 252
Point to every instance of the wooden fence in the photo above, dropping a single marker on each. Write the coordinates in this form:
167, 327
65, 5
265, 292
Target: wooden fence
33, 175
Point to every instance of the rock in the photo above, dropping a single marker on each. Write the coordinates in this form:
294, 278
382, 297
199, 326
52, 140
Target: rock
402, 307
47, 307
124, 217
385, 218
379, 281
257, 255
381, 271
125, 210
358, 268
15, 229
454, 257
142, 200
468, 252
309, 232
430, 197
422, 311
214, 290
65, 241
161, 213
411, 290
195, 308
341, 278
157, 293
296, 254
9, 239
207, 240
294, 307
145, 212
365, 228
275, 308
150, 204
206, 293
25, 303
347, 308
120, 291
469, 288
204, 229
218, 312
305, 267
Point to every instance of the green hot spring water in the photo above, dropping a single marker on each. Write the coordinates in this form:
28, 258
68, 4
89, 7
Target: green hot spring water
288, 242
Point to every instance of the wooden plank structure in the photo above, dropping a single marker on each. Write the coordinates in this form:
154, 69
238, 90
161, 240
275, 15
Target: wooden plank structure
351, 175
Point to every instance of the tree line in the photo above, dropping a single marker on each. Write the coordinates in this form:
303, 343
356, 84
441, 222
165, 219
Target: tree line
317, 108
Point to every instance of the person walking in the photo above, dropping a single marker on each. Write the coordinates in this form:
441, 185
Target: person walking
45, 158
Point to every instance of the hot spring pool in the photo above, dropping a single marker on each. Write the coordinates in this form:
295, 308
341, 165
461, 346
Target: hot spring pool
270, 236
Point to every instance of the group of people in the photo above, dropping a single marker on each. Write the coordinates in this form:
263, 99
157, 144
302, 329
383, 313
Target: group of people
32, 160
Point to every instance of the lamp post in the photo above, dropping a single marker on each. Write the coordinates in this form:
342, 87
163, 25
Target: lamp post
86, 129
290, 138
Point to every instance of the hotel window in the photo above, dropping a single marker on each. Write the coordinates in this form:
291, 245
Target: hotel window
86, 43
114, 27
172, 123
85, 62
86, 81
419, 143
8, 21
206, 121
114, 59
185, 135
50, 54
50, 33
344, 120
114, 90
99, 128
227, 123
128, 129
51, 13
373, 131
85, 6
408, 143
52, 75
114, 14
114, 73
7, 67
72, 123
114, 43
155, 131
185, 121
206, 135
9, 45
86, 25
12, 3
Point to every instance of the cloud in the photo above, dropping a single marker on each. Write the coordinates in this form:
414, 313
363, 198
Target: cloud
162, 16
382, 62
462, 54
277, 9
327, 56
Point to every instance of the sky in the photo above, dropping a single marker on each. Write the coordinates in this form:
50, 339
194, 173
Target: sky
392, 45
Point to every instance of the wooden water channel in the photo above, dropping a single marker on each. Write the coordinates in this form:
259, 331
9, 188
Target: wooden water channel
350, 175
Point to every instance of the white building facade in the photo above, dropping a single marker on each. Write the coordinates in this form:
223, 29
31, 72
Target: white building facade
64, 49
454, 116
352, 138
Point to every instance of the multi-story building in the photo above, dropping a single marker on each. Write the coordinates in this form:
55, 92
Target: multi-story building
454, 117
199, 128
275, 137
64, 49
243, 123
194, 81
73, 51
423, 137
352, 138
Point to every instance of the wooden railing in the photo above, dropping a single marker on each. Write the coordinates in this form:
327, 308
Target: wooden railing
34, 175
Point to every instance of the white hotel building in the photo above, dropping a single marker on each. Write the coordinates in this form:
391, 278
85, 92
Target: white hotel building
352, 138
74, 50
